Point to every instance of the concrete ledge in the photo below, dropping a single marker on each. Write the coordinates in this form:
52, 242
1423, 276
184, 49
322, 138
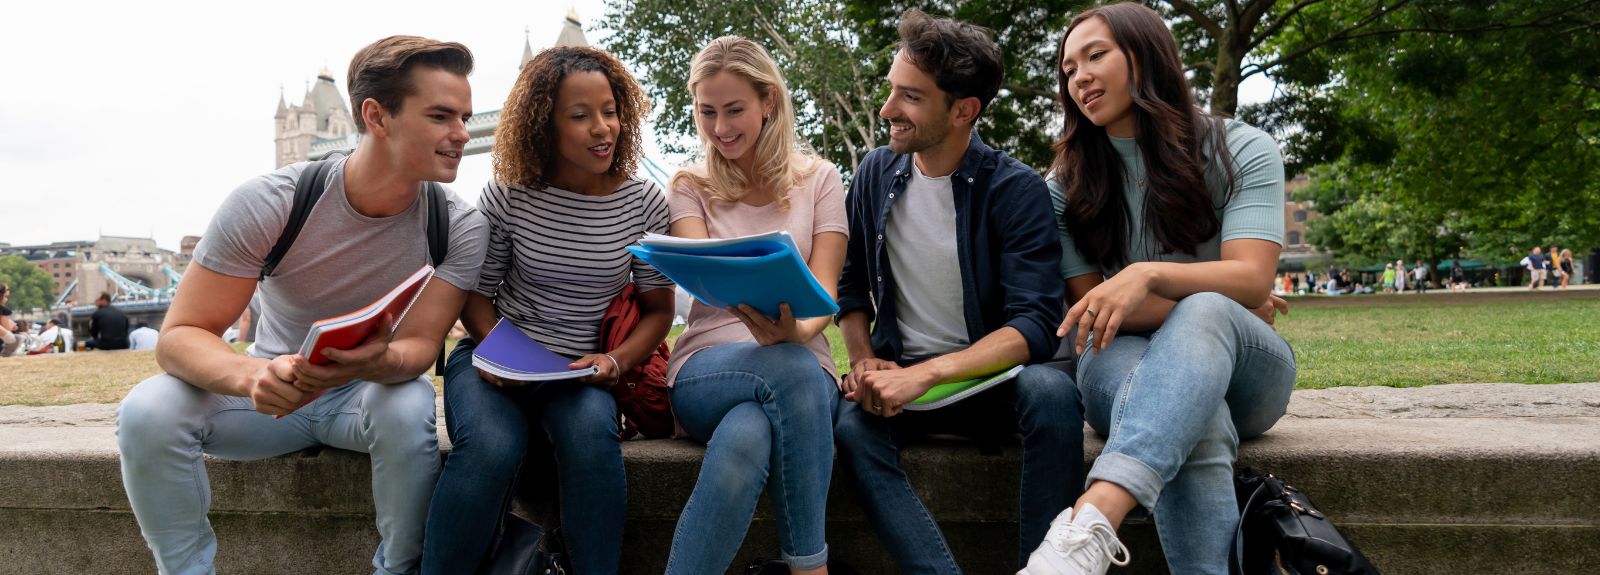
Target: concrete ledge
1492, 488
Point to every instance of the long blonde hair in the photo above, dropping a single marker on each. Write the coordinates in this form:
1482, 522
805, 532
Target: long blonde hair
783, 161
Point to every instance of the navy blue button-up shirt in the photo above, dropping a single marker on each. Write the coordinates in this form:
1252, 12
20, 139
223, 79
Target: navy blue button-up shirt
1005, 242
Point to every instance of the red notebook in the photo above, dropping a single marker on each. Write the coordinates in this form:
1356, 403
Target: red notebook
349, 330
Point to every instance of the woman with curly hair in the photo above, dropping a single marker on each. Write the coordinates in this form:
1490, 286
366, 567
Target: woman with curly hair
759, 391
564, 205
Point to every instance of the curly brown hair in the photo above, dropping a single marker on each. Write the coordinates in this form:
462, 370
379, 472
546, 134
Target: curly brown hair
525, 141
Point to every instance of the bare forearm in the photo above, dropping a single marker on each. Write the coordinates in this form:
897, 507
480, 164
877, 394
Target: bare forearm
1000, 350
809, 328
1151, 314
478, 316
1240, 281
654, 323
203, 360
403, 361
857, 337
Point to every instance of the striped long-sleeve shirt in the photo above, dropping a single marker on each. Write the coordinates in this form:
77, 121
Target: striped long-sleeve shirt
556, 258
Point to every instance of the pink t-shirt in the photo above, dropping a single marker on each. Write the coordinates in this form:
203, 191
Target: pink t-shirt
815, 206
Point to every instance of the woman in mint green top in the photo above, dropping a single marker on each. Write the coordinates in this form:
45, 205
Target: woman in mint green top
1171, 221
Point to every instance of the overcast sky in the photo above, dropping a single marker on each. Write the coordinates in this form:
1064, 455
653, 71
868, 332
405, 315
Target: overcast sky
137, 118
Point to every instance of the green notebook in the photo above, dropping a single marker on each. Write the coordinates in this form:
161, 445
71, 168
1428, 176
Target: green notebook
948, 393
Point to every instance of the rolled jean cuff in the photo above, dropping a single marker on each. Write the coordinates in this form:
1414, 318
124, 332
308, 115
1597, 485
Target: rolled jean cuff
807, 562
1129, 473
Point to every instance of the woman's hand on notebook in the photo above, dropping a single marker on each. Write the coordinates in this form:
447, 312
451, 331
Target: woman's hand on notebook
765, 330
495, 379
607, 371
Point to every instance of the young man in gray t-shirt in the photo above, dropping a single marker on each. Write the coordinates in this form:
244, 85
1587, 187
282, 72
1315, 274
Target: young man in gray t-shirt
366, 233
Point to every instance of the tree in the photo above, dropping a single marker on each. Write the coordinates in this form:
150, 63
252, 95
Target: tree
31, 287
1226, 41
834, 55
1486, 141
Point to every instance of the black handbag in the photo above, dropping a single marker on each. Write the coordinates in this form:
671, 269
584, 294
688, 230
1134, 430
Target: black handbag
1280, 532
523, 548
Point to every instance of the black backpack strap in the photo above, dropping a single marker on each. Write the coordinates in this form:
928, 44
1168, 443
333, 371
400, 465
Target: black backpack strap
438, 243
307, 190
438, 224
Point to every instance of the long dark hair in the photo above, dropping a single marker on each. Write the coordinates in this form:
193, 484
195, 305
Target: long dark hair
1170, 132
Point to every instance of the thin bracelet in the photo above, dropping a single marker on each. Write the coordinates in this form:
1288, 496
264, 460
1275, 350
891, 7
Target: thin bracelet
614, 364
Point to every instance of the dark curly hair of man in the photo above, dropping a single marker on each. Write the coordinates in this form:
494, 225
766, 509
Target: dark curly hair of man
525, 140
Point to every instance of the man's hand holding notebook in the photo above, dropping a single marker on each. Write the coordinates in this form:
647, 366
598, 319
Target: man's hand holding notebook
342, 349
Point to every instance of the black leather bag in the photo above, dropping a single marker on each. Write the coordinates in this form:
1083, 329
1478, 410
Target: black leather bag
523, 548
1280, 532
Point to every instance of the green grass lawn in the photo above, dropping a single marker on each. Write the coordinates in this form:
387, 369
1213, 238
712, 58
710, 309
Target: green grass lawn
1374, 340
1414, 344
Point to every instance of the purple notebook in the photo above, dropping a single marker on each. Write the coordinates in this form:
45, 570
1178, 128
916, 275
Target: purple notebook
508, 353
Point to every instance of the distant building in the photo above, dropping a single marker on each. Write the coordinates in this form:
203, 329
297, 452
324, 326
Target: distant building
322, 123
1296, 216
186, 253
78, 265
321, 116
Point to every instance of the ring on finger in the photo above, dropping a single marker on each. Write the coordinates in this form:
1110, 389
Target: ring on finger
1090, 311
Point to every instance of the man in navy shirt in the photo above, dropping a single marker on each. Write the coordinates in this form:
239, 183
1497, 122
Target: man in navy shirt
1536, 268
954, 265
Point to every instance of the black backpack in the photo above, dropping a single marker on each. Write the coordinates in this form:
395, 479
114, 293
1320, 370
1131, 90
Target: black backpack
313, 181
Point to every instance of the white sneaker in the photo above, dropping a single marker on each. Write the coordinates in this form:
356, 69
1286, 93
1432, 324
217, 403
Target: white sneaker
1082, 545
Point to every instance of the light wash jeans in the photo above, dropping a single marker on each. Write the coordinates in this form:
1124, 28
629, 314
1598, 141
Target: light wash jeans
164, 426
1041, 404
1174, 404
491, 428
759, 410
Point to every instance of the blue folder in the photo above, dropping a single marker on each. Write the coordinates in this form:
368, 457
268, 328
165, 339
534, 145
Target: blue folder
762, 272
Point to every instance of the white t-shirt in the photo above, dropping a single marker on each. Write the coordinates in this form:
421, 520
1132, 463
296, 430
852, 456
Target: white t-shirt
143, 338
921, 233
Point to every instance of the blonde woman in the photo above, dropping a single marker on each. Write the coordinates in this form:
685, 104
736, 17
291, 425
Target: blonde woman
759, 391
1564, 264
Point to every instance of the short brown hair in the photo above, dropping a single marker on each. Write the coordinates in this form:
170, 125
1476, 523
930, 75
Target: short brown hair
382, 70
962, 58
525, 140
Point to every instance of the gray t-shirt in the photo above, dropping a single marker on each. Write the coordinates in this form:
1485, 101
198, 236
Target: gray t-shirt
921, 233
1255, 211
340, 262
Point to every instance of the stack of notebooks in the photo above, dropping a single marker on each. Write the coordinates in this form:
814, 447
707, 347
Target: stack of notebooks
761, 271
510, 354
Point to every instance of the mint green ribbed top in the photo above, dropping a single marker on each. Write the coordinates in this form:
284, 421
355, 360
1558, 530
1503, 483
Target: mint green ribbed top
1255, 211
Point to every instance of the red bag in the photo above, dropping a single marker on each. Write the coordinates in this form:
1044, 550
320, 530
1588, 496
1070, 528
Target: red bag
641, 393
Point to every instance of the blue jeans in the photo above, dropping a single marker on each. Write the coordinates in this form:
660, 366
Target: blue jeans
1174, 403
1042, 404
165, 425
490, 428
759, 410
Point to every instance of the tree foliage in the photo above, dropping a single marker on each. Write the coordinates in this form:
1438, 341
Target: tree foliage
31, 287
1484, 141
835, 55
